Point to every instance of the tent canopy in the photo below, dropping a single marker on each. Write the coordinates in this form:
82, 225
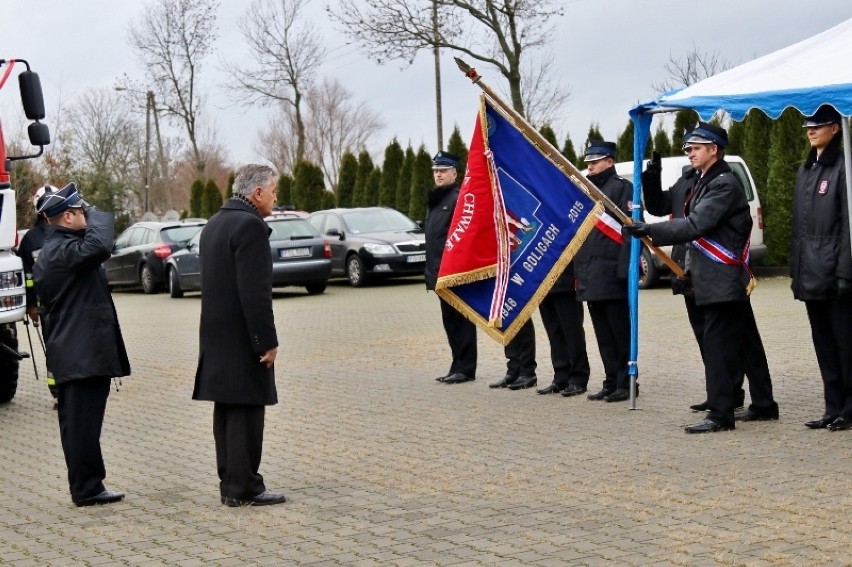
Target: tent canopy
804, 75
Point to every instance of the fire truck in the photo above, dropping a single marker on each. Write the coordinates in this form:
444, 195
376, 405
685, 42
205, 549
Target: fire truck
12, 285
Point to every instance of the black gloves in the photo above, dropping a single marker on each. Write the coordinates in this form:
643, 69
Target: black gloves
652, 176
844, 288
655, 164
637, 229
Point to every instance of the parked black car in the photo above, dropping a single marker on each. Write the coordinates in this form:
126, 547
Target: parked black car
371, 242
138, 253
300, 257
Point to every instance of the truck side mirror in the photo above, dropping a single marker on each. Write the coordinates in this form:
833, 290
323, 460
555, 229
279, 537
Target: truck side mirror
39, 134
31, 95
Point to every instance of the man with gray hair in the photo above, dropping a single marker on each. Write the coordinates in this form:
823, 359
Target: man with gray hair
238, 342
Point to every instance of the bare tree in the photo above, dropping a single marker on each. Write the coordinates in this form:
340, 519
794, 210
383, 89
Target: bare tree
694, 66
171, 38
543, 97
276, 142
287, 54
496, 32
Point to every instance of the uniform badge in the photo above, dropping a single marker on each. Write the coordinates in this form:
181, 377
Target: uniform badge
823, 186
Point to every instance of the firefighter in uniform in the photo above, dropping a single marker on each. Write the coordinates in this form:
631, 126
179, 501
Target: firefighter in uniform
28, 250
821, 263
601, 269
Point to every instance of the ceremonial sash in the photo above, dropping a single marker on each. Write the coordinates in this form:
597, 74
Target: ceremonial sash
721, 255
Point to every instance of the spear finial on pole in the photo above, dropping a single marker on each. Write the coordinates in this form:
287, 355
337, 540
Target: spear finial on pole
468, 71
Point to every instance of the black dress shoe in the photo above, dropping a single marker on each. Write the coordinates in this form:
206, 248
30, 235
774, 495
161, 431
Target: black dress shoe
458, 378
820, 423
840, 424
265, 498
619, 395
703, 406
523, 382
573, 390
105, 497
752, 414
551, 389
505, 381
442, 378
600, 395
707, 426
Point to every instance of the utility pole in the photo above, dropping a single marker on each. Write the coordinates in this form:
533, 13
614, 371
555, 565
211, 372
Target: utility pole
437, 53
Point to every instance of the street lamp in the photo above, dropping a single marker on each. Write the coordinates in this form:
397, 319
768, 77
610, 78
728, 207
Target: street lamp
150, 108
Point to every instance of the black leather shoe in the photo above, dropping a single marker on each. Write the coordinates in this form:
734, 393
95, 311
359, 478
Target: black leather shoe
600, 395
458, 378
840, 424
707, 426
105, 497
523, 382
442, 378
573, 390
703, 406
820, 423
551, 389
265, 498
619, 395
505, 381
752, 414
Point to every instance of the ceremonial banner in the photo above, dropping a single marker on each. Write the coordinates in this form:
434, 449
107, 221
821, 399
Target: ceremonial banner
518, 222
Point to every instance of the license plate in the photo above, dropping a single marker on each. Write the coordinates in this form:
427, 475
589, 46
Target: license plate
416, 258
294, 252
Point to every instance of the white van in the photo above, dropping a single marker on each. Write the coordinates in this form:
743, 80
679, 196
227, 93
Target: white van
651, 266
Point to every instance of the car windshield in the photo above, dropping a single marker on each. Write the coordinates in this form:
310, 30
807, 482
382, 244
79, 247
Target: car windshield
377, 221
291, 229
179, 233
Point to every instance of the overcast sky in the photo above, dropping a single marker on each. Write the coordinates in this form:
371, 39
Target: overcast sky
609, 53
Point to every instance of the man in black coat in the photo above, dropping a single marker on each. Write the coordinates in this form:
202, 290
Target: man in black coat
716, 228
238, 342
601, 269
672, 202
821, 263
85, 349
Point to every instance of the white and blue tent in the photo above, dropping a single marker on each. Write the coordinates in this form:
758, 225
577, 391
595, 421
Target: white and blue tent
805, 75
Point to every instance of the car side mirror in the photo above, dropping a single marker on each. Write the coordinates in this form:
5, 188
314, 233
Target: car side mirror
334, 232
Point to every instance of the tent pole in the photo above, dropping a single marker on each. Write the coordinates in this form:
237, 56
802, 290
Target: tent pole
847, 159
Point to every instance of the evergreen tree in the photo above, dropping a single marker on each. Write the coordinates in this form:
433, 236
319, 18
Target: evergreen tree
346, 179
457, 147
684, 120
328, 201
548, 134
787, 142
211, 199
421, 181
624, 145
308, 186
756, 147
196, 194
361, 190
394, 156
229, 190
403, 186
568, 150
662, 144
284, 190
373, 186
736, 139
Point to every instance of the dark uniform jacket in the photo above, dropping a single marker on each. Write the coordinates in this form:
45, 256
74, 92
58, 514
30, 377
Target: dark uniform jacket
820, 242
81, 331
664, 203
601, 263
717, 210
442, 204
237, 323
28, 250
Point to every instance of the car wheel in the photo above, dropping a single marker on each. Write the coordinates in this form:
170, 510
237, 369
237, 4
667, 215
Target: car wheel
648, 273
315, 288
355, 271
8, 365
174, 283
146, 278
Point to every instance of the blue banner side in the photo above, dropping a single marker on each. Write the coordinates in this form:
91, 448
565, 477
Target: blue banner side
641, 132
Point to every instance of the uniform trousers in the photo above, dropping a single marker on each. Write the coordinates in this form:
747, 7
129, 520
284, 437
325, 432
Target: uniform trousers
520, 352
724, 329
831, 329
755, 365
461, 334
562, 316
82, 404
611, 321
238, 433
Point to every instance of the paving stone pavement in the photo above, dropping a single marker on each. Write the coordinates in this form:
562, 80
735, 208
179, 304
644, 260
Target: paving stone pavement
382, 465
